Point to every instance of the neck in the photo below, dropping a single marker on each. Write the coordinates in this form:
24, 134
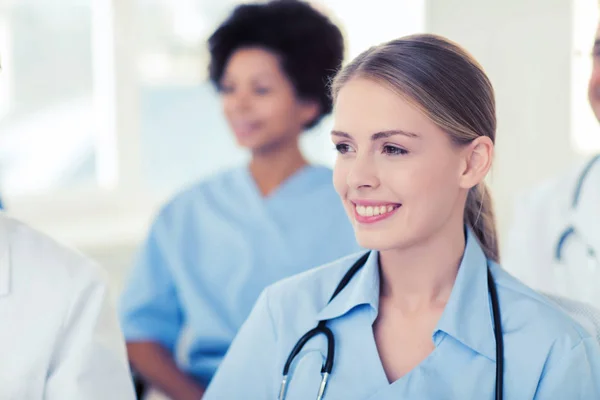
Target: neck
422, 276
270, 168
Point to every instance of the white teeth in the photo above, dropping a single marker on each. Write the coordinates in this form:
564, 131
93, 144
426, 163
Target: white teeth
371, 211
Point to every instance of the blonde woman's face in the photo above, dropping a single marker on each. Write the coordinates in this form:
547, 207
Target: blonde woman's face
400, 177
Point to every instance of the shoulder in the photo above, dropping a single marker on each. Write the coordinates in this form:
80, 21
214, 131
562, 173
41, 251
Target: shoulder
533, 316
553, 194
562, 357
322, 176
46, 263
322, 171
199, 193
540, 215
309, 292
228, 178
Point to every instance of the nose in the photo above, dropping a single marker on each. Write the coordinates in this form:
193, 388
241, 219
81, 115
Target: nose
362, 173
238, 101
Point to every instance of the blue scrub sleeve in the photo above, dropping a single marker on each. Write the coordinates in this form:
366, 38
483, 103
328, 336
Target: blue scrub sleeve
149, 307
574, 375
249, 368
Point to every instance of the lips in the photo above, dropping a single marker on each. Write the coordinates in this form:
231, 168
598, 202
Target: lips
245, 128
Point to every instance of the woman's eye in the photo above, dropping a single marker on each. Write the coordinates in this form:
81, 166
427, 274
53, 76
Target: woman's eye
394, 150
342, 148
225, 89
262, 91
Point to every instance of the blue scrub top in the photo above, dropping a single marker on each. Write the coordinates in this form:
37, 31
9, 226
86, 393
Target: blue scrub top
547, 354
215, 247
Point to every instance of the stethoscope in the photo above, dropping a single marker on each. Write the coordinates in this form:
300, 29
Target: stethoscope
322, 328
570, 230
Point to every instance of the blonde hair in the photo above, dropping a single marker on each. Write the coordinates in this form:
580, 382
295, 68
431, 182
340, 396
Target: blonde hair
451, 88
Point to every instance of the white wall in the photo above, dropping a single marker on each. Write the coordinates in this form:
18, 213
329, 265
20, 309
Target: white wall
526, 48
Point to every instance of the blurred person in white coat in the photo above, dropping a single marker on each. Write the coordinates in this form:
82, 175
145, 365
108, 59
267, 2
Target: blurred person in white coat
59, 335
554, 243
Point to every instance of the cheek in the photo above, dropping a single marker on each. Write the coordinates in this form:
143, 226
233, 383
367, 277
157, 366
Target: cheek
430, 187
227, 104
594, 84
279, 110
340, 173
427, 176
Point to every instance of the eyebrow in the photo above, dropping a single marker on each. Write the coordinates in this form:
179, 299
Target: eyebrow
378, 135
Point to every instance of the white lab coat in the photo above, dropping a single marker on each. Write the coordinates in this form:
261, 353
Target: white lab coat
540, 218
59, 334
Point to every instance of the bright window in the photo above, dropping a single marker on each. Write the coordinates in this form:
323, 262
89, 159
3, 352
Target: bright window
46, 140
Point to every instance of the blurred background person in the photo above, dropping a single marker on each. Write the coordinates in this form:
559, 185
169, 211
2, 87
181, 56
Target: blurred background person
60, 336
217, 245
554, 243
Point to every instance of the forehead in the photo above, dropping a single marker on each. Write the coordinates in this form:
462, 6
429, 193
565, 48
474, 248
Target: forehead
253, 61
365, 106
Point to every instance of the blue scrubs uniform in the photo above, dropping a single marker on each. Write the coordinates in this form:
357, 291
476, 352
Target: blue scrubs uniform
547, 355
215, 247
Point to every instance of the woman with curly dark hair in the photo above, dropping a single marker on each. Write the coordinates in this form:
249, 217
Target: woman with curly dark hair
216, 246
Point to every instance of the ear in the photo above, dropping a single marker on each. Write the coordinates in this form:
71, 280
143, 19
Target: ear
478, 156
309, 110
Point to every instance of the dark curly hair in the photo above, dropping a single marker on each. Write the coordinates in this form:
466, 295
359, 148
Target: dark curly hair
309, 45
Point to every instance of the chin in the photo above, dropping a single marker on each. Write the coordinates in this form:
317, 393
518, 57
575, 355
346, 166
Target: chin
594, 100
249, 143
379, 241
392, 239
263, 146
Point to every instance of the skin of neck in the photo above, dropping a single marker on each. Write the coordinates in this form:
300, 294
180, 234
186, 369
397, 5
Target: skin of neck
271, 167
421, 277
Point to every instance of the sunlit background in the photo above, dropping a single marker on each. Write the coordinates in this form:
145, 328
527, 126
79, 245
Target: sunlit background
106, 112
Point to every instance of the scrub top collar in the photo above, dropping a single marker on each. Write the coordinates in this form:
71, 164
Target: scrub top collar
467, 316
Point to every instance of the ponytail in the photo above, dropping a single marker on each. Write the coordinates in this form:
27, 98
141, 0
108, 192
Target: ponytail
479, 216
